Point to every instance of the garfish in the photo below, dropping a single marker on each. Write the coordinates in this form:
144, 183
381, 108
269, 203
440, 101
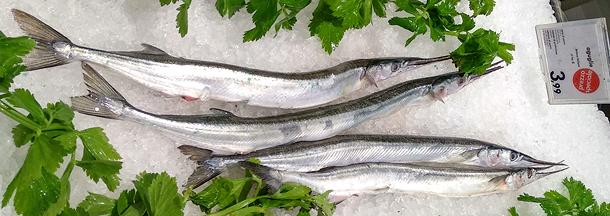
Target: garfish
226, 133
342, 150
193, 79
408, 178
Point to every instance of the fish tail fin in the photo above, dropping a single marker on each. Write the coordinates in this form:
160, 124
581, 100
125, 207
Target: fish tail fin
103, 100
48, 41
196, 153
203, 173
269, 175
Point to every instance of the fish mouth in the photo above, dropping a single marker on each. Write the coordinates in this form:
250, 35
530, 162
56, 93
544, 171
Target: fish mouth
425, 61
493, 67
543, 174
544, 164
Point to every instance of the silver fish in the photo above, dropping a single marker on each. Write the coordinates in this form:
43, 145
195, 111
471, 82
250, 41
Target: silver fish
372, 178
225, 133
194, 79
344, 150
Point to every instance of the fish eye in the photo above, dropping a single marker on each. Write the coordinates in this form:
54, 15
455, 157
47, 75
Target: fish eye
461, 81
514, 156
530, 173
394, 67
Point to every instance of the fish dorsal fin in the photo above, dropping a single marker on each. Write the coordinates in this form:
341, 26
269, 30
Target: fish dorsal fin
150, 49
217, 111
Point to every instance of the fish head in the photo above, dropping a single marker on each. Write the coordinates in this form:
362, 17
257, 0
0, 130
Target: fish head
451, 83
387, 68
519, 178
506, 157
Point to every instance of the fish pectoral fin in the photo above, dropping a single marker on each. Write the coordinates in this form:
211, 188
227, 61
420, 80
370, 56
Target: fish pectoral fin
150, 49
217, 111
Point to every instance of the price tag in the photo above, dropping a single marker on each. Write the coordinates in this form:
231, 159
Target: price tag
575, 60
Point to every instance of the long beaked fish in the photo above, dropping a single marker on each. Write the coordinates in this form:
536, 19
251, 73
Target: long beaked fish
226, 133
342, 150
373, 178
193, 79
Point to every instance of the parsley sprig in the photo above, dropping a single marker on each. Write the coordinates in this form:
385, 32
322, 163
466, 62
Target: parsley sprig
246, 196
580, 201
50, 136
182, 18
332, 18
154, 194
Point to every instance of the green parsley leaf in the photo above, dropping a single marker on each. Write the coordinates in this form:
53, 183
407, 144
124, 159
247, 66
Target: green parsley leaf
164, 197
478, 50
67, 140
106, 170
482, 7
222, 197
327, 27
2, 35
64, 195
379, 7
210, 196
60, 111
580, 195
129, 203
264, 13
410, 6
413, 24
229, 7
438, 17
22, 135
182, 20
513, 211
579, 202
157, 193
97, 204
350, 11
222, 193
290, 9
557, 202
330, 36
356, 13
325, 206
167, 2
11, 51
291, 191
38, 195
96, 142
43, 153
254, 160
23, 98
99, 158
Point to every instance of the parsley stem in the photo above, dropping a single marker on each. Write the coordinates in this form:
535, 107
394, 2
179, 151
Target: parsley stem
70, 167
186, 195
55, 127
237, 206
17, 116
452, 33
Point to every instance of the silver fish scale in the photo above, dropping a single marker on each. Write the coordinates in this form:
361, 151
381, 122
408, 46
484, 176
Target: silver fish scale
232, 134
201, 79
349, 149
397, 178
